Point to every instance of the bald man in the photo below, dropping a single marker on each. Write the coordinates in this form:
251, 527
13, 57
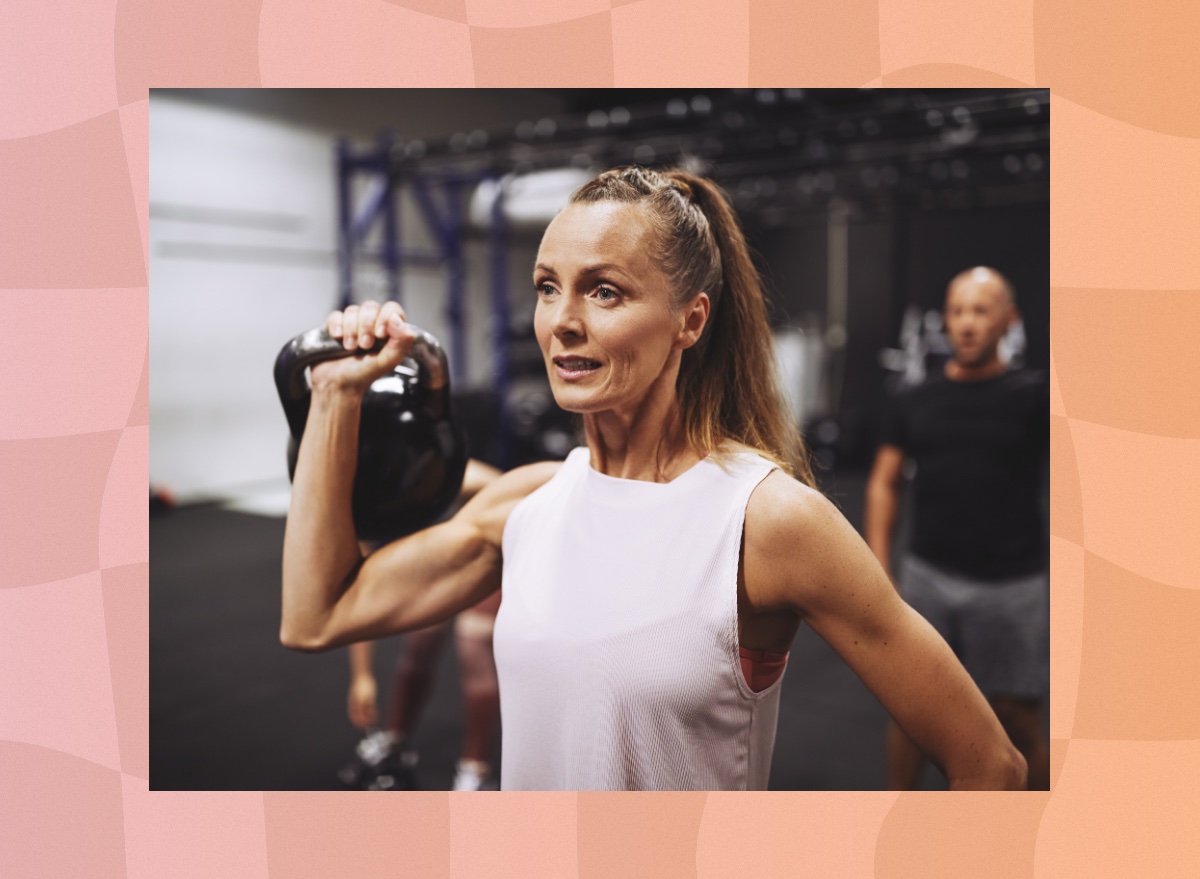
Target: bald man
976, 566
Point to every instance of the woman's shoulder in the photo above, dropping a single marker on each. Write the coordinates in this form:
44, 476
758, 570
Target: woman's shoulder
523, 481
489, 510
791, 531
781, 505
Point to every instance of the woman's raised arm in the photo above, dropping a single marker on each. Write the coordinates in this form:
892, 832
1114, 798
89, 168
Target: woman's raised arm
802, 554
330, 596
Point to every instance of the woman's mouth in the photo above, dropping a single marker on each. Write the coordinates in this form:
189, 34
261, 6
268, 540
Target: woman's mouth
574, 368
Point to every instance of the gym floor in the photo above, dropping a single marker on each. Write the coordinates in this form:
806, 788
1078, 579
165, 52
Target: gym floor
231, 709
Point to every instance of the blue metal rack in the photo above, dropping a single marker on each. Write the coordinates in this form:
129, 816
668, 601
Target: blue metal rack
439, 196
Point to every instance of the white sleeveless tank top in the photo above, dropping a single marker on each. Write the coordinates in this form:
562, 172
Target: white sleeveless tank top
616, 642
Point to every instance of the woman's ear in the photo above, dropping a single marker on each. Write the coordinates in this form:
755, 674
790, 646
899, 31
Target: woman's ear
694, 320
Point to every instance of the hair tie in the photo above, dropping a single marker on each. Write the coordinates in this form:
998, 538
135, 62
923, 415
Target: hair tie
683, 188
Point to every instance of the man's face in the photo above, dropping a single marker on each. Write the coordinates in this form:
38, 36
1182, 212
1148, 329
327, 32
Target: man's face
978, 315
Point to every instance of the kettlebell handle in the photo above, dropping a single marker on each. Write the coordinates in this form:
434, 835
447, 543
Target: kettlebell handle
316, 346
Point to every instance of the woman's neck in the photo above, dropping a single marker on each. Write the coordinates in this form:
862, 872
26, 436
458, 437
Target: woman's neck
645, 442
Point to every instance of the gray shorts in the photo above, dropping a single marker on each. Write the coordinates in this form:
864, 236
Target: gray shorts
999, 629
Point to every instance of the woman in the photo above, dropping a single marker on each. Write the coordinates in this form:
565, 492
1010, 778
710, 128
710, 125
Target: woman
654, 580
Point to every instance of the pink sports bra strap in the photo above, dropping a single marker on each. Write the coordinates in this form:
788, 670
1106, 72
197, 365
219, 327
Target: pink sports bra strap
761, 668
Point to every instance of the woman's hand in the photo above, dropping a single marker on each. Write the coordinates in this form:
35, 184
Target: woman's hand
360, 327
361, 701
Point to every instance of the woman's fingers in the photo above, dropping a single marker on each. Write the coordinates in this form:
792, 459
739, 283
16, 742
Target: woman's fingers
333, 324
361, 325
350, 327
386, 313
368, 314
398, 330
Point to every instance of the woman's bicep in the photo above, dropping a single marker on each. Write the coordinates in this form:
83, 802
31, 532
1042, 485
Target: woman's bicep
417, 581
431, 575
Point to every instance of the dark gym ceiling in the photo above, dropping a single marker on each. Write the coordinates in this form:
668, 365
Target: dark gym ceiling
780, 152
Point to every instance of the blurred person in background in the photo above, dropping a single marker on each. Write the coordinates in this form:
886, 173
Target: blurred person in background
385, 759
978, 433
654, 581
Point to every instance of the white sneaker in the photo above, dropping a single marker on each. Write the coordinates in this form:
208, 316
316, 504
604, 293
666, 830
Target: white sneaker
373, 757
375, 747
471, 775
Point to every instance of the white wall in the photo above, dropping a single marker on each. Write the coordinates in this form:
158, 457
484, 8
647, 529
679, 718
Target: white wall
224, 294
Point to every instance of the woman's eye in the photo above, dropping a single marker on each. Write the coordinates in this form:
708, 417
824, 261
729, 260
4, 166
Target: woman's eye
544, 290
606, 294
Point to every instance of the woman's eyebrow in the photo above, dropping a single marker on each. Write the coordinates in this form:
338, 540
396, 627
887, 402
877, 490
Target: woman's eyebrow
603, 268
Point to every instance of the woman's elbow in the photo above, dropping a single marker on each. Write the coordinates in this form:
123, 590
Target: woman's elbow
305, 642
1012, 770
999, 766
1002, 769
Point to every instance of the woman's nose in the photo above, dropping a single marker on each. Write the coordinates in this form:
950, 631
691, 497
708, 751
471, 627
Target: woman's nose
567, 319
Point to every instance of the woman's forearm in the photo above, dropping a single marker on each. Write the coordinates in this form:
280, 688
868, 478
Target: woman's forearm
320, 552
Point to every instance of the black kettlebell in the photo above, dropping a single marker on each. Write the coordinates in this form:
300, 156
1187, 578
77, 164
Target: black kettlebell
411, 452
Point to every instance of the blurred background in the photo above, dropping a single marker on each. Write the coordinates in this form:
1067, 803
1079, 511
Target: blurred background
270, 208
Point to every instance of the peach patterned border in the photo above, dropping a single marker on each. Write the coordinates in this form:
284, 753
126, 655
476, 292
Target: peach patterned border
74, 436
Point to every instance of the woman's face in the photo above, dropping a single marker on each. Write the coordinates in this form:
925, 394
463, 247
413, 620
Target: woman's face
604, 316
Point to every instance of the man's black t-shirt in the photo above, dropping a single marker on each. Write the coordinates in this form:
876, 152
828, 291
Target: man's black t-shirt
980, 448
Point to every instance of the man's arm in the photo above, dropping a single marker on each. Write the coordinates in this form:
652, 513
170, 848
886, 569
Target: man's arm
882, 502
